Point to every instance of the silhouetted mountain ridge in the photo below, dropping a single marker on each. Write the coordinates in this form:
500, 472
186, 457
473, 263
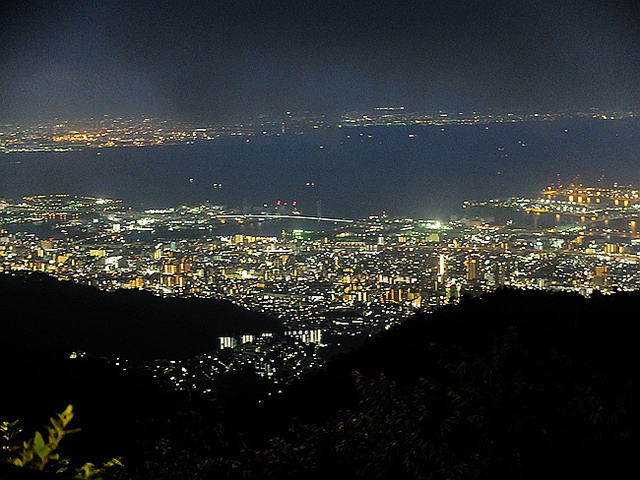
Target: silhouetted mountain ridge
512, 384
44, 314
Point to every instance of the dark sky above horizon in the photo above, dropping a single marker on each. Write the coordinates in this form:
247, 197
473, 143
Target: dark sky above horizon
214, 59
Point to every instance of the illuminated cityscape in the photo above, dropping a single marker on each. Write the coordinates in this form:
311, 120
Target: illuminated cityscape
329, 281
314, 240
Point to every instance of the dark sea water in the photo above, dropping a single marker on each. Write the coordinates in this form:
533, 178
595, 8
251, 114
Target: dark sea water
357, 171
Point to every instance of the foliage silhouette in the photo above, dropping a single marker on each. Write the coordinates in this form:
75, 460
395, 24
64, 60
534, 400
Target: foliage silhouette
39, 454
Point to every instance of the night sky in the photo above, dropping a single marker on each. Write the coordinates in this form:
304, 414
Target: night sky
209, 60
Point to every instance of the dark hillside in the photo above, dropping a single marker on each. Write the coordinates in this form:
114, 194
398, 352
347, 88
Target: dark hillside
42, 320
39, 312
515, 384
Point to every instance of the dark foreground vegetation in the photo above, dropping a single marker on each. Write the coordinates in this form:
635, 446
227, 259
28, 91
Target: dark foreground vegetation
514, 384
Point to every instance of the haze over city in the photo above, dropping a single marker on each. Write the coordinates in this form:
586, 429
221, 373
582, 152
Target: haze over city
212, 60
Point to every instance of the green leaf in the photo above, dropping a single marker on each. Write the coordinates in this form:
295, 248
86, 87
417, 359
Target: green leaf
39, 446
67, 415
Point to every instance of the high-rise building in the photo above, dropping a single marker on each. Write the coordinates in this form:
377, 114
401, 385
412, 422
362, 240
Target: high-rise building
500, 274
600, 277
473, 268
442, 269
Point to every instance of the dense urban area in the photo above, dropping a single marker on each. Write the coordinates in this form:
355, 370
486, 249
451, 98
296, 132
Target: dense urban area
331, 281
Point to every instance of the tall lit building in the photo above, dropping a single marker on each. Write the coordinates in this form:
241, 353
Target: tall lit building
442, 269
473, 268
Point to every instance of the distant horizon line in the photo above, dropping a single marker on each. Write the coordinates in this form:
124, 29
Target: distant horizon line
383, 109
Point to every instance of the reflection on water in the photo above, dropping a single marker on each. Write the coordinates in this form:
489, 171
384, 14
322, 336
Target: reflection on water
502, 216
541, 220
267, 228
270, 228
41, 229
428, 176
